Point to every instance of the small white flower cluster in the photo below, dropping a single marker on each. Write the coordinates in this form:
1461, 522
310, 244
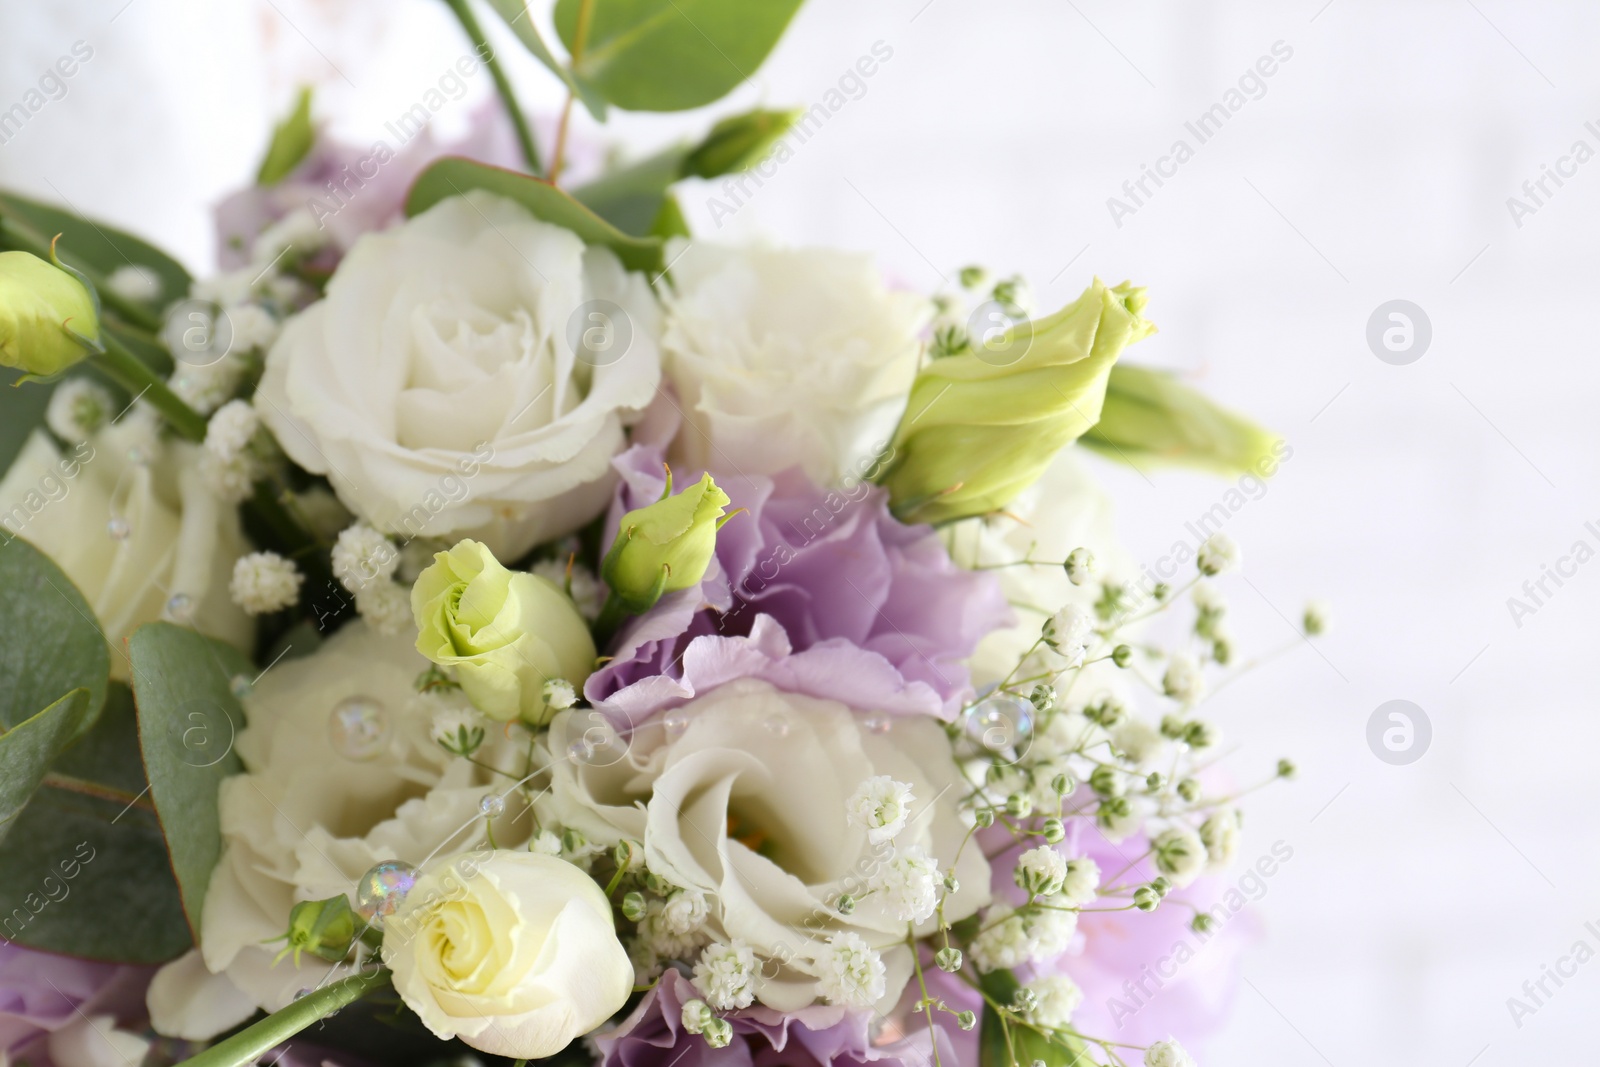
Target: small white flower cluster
77, 410
264, 582
1068, 633
850, 972
1011, 937
1167, 1053
881, 806
234, 450
726, 975
365, 561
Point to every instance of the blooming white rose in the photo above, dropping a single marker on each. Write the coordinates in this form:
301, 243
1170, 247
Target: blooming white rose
442, 384
516, 959
787, 356
316, 809
141, 541
758, 820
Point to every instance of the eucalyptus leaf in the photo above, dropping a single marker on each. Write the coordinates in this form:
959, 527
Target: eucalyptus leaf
454, 176
291, 142
86, 871
188, 722
520, 19
96, 249
28, 749
50, 642
22, 408
1150, 418
669, 55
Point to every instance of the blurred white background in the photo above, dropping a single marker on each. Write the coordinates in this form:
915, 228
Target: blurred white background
1375, 165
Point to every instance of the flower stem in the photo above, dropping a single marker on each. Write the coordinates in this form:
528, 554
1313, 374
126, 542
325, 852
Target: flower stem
502, 84
275, 1029
130, 372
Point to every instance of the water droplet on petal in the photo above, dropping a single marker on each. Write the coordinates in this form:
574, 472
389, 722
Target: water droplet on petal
676, 723
879, 723
777, 725
180, 607
359, 728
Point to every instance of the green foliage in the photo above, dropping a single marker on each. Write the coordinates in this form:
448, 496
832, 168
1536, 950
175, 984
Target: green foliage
188, 721
291, 142
50, 642
669, 55
454, 176
516, 15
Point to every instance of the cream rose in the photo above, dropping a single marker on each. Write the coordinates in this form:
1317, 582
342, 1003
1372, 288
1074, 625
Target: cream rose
444, 385
141, 541
324, 798
517, 958
787, 356
749, 804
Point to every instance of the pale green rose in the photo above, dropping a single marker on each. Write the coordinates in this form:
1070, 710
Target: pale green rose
505, 633
665, 546
981, 427
41, 307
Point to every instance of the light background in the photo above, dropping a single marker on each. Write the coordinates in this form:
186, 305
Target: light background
1418, 499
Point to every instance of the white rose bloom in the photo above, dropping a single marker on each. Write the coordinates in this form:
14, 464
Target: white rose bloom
141, 542
517, 959
786, 356
759, 823
1066, 509
438, 387
312, 814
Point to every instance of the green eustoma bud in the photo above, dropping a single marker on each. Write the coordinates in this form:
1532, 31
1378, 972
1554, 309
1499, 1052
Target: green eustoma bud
1150, 418
49, 320
324, 928
665, 546
738, 142
982, 427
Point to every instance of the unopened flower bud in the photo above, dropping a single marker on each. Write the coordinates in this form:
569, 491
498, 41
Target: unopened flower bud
1019, 805
967, 1020
718, 1033
1080, 566
1189, 789
1146, 899
983, 818
1053, 831
697, 1015
324, 928
1043, 697
1063, 784
44, 310
948, 959
633, 906
1122, 655
1315, 619
1286, 768
665, 546
1105, 781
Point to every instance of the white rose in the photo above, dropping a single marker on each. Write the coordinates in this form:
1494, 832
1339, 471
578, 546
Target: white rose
141, 541
787, 356
758, 819
1066, 509
438, 387
305, 820
516, 959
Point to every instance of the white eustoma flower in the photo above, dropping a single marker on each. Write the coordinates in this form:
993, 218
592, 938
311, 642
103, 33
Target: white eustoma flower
308, 818
141, 541
517, 958
760, 823
786, 356
446, 384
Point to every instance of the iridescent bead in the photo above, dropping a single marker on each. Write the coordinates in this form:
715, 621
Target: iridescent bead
492, 804
382, 889
999, 722
359, 728
879, 723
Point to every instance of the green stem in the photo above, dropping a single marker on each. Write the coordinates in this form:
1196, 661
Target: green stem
611, 617
131, 373
502, 84
251, 1042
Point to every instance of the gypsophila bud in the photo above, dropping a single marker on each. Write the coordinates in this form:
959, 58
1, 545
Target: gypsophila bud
1040, 871
948, 959
1167, 1053
1161, 885
573, 841
697, 1015
1122, 655
1080, 566
1202, 923
1154, 781
846, 904
1082, 881
1183, 680
1019, 805
718, 1033
1053, 831
633, 906
77, 409
1106, 781
983, 818
627, 855
973, 277
1146, 899
1315, 619
1043, 697
1108, 711
951, 884
1024, 1001
1113, 601
1068, 633
1218, 555
1286, 768
457, 731
1179, 854
1189, 789
967, 1020
1199, 734
1063, 784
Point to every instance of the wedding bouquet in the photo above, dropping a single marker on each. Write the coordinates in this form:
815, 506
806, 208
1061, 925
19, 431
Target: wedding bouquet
488, 617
